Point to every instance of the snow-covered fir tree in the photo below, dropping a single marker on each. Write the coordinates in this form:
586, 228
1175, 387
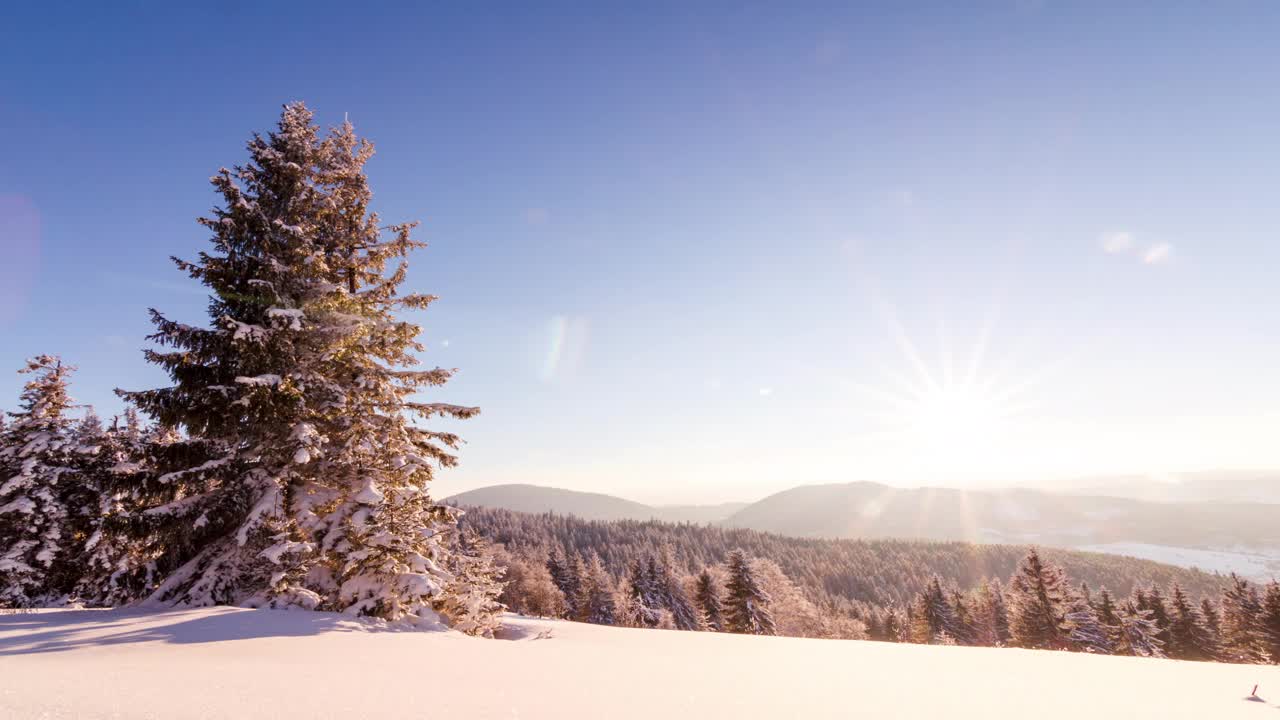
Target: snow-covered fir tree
97, 448
746, 606
1270, 622
121, 554
708, 599
933, 616
47, 503
966, 625
992, 615
470, 599
89, 432
1038, 595
577, 600
629, 614
92, 445
669, 592
1138, 633
794, 615
1242, 639
644, 606
1108, 615
306, 481
600, 596
895, 626
1155, 602
1189, 638
1084, 629
563, 574
1213, 628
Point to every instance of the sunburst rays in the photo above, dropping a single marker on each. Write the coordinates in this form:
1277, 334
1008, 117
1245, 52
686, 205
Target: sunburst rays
952, 410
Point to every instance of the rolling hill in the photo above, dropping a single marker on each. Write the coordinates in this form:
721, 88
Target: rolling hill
864, 509
588, 506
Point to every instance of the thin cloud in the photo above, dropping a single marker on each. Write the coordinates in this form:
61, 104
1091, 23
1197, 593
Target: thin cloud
1157, 253
1114, 243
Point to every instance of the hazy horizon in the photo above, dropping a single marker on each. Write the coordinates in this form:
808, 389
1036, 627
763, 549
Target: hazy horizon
1069, 485
707, 254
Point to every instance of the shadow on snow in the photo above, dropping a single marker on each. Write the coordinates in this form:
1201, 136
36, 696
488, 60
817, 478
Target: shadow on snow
58, 631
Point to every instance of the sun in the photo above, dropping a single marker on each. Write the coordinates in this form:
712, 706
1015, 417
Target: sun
967, 413
954, 412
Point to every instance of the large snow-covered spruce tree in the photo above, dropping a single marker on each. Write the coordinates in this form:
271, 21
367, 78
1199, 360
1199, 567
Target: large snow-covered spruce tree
305, 481
46, 500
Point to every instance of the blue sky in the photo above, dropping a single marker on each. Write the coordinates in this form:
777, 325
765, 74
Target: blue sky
697, 251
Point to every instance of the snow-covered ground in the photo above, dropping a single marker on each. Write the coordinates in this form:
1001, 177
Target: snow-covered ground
1261, 564
236, 663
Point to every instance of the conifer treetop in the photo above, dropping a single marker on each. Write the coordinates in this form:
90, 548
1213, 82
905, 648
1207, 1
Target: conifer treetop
45, 398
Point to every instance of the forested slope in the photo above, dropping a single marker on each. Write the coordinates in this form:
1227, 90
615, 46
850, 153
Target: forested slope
881, 572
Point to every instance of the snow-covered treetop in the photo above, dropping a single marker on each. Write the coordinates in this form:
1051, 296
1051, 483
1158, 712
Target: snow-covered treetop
45, 399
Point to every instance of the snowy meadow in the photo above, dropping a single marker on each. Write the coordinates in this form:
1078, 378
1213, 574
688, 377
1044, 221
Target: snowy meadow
259, 664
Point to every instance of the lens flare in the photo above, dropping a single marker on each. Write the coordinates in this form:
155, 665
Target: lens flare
566, 343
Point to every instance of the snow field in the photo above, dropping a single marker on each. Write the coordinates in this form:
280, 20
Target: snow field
237, 663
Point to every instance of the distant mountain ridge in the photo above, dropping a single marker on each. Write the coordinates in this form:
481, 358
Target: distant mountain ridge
587, 505
864, 509
1241, 537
